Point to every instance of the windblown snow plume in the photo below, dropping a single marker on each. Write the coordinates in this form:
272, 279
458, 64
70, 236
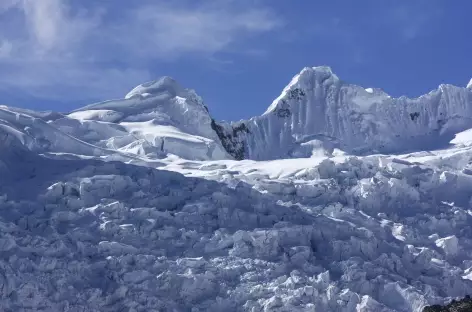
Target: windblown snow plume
149, 204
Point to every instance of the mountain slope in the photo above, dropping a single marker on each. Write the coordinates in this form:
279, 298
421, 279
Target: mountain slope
38, 135
155, 118
317, 110
316, 114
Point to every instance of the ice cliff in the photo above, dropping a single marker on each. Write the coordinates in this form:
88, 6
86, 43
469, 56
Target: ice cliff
318, 110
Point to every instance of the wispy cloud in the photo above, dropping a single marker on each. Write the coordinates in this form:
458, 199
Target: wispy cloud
54, 27
410, 20
6, 48
98, 50
176, 30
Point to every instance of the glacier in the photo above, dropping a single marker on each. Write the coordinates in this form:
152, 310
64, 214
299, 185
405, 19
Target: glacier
337, 198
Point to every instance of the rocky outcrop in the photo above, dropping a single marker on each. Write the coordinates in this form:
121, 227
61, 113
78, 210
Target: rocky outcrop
464, 305
232, 138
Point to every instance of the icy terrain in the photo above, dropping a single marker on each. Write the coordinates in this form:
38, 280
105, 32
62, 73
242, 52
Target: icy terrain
155, 118
148, 204
317, 109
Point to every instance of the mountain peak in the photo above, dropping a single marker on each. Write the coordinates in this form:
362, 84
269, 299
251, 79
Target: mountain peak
307, 79
164, 84
469, 85
321, 69
316, 106
320, 73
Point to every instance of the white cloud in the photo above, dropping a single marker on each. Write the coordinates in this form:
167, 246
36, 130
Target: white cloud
48, 47
46, 19
6, 48
54, 27
170, 31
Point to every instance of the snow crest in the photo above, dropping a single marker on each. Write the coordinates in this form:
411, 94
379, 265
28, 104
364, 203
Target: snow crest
317, 105
155, 118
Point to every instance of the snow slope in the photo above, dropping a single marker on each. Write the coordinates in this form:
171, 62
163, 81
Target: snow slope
139, 204
37, 135
155, 118
317, 108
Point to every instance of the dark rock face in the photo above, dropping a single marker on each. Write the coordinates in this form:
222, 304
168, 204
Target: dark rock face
283, 111
231, 140
414, 115
296, 94
464, 305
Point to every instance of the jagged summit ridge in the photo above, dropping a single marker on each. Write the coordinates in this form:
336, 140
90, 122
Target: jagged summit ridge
469, 85
316, 113
319, 109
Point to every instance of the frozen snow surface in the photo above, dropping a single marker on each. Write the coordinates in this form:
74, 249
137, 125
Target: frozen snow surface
337, 198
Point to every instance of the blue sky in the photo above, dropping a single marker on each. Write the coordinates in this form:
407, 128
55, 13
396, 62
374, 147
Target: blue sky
237, 54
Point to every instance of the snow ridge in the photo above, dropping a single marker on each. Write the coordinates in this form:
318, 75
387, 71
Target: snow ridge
317, 113
319, 108
155, 118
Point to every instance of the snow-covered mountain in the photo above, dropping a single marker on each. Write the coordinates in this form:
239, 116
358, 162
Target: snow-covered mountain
317, 113
149, 204
318, 110
153, 119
